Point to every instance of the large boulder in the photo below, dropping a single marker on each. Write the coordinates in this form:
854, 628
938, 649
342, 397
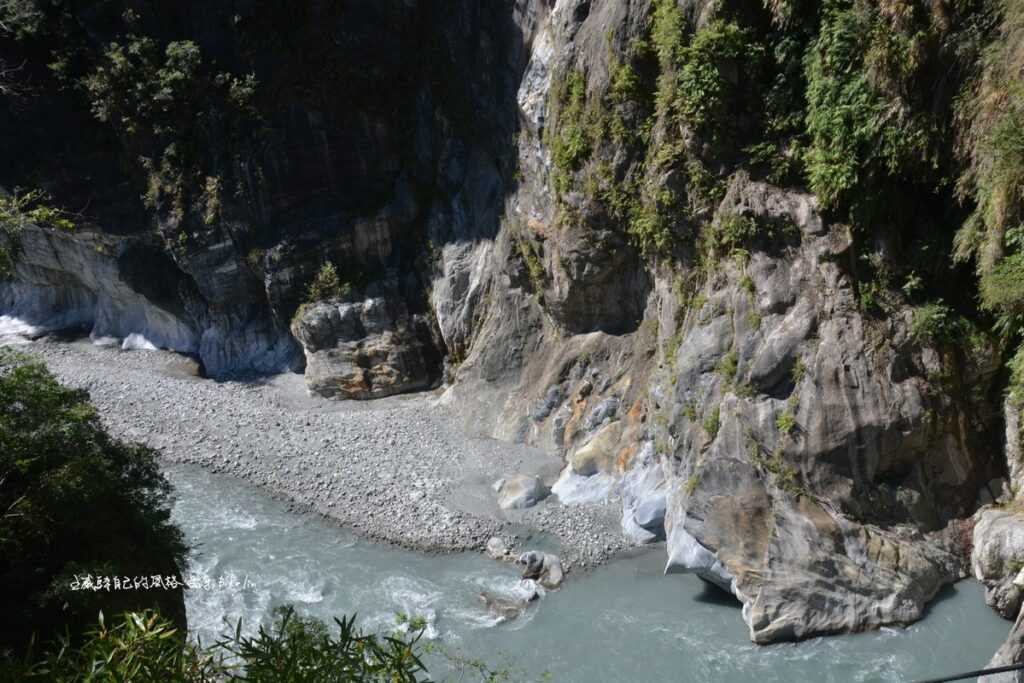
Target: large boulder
369, 348
598, 454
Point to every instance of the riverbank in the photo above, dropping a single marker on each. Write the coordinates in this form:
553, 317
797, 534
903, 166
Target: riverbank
394, 470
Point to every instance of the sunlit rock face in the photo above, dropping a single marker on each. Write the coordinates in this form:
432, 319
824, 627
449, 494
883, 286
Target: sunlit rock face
368, 348
126, 291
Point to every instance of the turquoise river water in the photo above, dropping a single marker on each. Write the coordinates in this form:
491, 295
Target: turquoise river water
622, 622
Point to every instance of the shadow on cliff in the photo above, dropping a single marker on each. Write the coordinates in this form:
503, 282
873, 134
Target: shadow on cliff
381, 133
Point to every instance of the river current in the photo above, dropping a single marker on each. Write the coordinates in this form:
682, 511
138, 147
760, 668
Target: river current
622, 622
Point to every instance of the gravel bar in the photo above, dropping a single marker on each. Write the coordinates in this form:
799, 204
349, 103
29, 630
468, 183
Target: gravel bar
393, 470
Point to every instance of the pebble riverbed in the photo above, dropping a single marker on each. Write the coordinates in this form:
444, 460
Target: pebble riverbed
394, 470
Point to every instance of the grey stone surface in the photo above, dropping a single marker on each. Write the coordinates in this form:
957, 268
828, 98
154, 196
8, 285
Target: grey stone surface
1010, 652
830, 523
497, 548
644, 491
574, 489
366, 349
125, 290
544, 568
521, 491
998, 558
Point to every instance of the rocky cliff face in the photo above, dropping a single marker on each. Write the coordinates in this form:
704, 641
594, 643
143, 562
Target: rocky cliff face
817, 454
597, 270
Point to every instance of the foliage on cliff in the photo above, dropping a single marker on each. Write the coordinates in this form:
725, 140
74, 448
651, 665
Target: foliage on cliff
856, 100
161, 113
73, 501
183, 122
992, 114
851, 98
17, 211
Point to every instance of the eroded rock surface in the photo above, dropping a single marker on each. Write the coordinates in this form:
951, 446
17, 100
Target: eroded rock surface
1010, 652
366, 349
815, 471
126, 290
998, 558
520, 491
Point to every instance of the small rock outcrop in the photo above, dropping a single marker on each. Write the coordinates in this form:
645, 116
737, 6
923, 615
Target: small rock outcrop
509, 607
644, 490
544, 568
998, 558
520, 491
126, 290
497, 549
1010, 652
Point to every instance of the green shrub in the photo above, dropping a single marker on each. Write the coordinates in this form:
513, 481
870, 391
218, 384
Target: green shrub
414, 622
672, 348
992, 111
668, 33
139, 646
1015, 388
785, 422
747, 284
327, 285
731, 232
1002, 288
727, 366
76, 501
650, 226
754, 319
712, 422
22, 208
305, 649
704, 91
861, 130
254, 259
798, 372
693, 88
147, 647
177, 118
937, 323
570, 139
876, 284
20, 19
32, 206
625, 84
534, 267
783, 475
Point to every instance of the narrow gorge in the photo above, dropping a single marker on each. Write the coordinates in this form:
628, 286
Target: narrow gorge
742, 280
